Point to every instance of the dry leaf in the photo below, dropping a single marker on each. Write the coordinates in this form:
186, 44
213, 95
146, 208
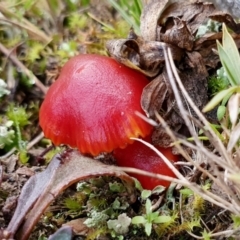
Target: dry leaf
161, 138
153, 96
149, 18
227, 19
157, 96
41, 189
193, 14
179, 35
233, 108
234, 138
25, 171
205, 46
78, 226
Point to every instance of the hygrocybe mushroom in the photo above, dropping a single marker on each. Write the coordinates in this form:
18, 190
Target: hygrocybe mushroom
92, 105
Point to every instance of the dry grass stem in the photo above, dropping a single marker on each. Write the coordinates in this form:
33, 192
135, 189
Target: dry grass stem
172, 71
38, 138
226, 158
25, 70
166, 161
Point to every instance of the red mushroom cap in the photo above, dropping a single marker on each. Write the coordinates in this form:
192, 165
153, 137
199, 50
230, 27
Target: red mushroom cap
138, 155
92, 105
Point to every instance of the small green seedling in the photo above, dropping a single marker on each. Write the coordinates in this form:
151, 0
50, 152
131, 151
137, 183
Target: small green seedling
150, 218
19, 117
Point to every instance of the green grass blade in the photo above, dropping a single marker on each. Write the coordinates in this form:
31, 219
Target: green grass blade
219, 97
227, 64
105, 25
229, 57
139, 6
125, 16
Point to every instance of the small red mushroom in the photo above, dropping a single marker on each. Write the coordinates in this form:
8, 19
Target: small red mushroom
92, 105
138, 155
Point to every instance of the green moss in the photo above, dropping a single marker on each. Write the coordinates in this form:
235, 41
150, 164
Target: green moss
218, 82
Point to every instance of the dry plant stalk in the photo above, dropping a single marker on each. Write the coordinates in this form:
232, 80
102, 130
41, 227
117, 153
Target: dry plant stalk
226, 160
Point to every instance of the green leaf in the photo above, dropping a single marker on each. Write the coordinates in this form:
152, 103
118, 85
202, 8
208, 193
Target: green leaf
215, 129
137, 184
125, 15
218, 82
226, 62
233, 55
77, 21
152, 216
138, 220
193, 224
18, 115
35, 51
162, 219
186, 191
118, 205
116, 187
236, 221
145, 194
219, 97
221, 112
148, 207
206, 235
148, 228
226, 98
23, 157
158, 190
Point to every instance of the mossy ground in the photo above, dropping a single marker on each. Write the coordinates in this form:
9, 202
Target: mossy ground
36, 39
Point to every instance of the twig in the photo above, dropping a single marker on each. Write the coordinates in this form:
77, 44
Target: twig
226, 233
29, 146
35, 140
8, 154
157, 204
166, 161
19, 64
